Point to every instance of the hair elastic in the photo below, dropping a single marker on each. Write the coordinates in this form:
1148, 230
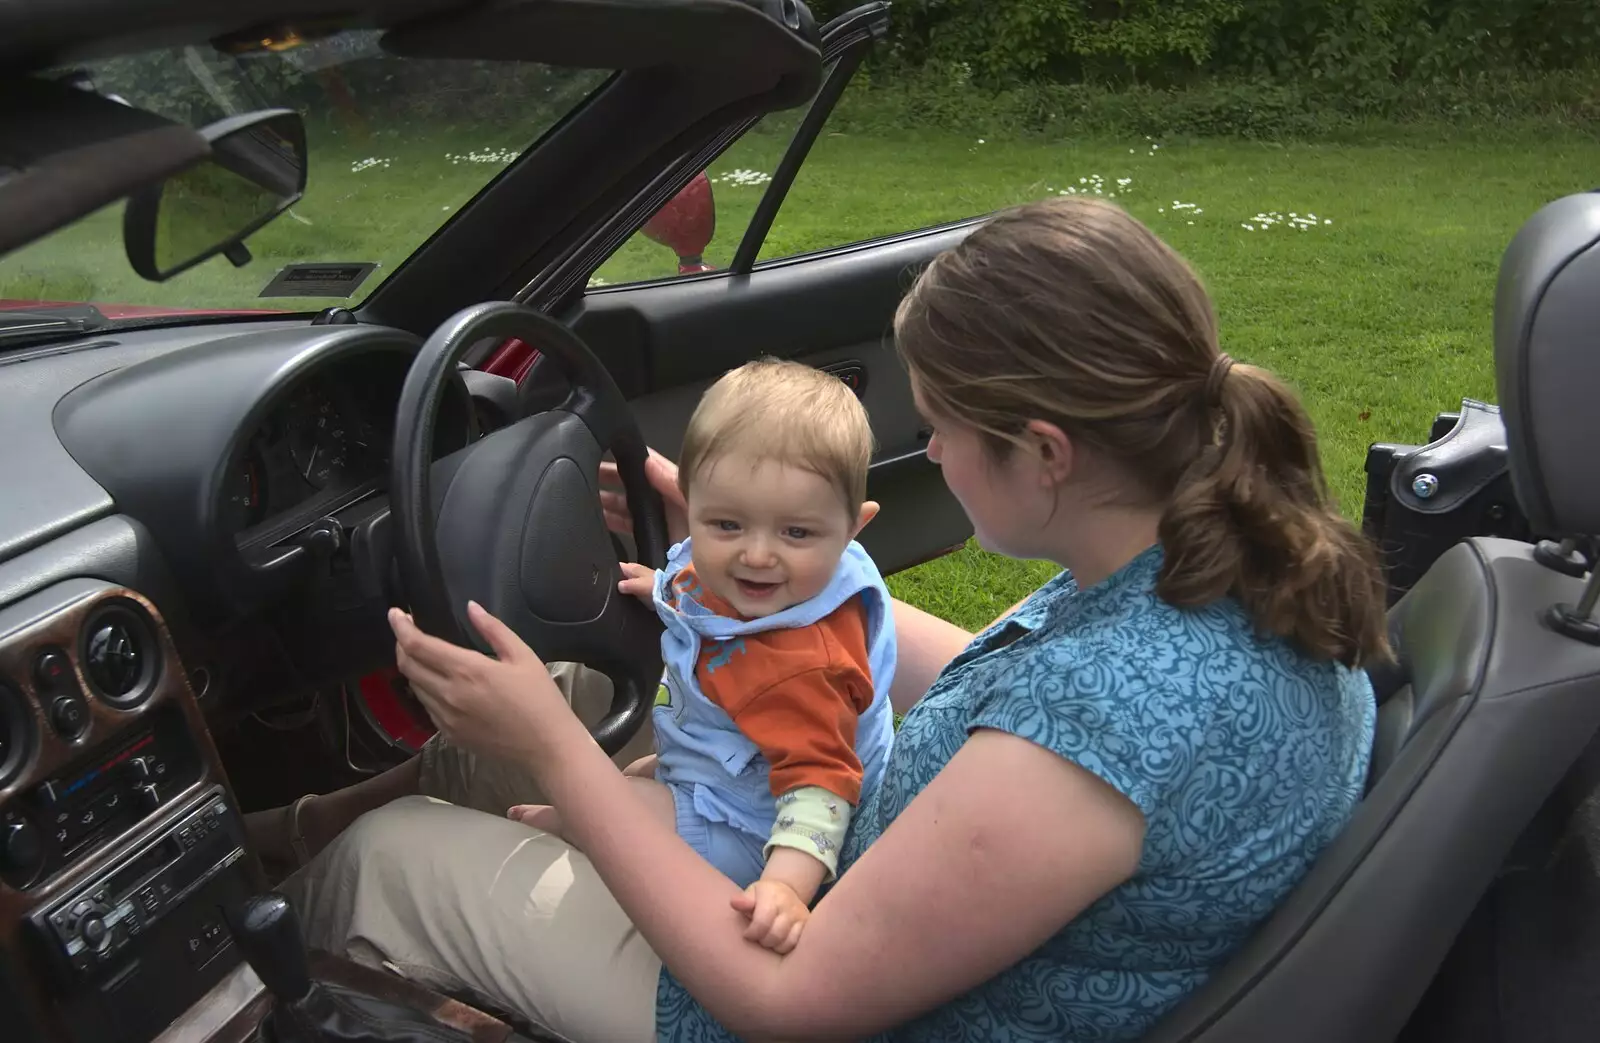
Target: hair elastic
1214, 379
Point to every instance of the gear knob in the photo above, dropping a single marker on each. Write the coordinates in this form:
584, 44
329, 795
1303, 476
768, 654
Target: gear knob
268, 935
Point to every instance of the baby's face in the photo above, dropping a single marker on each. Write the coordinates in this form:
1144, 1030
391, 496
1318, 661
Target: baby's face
767, 535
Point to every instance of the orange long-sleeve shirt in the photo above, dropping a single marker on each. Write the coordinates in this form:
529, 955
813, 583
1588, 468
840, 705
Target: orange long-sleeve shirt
794, 692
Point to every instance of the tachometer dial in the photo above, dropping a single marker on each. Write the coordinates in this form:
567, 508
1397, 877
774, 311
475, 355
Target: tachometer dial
319, 438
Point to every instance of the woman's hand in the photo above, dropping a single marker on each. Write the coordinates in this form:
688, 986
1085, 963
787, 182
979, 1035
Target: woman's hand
498, 706
663, 477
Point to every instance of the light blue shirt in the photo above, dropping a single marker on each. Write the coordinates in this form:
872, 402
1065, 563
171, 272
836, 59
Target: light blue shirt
700, 748
1245, 756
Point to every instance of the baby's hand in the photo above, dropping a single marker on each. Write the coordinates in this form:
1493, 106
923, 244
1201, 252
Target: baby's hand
638, 580
777, 915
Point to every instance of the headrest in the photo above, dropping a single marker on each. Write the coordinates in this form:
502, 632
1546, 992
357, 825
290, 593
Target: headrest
1547, 364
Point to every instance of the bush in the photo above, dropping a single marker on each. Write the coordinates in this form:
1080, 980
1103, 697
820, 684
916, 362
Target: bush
1360, 56
1258, 109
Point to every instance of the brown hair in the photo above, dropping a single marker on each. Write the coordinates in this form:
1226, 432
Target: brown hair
787, 411
1072, 312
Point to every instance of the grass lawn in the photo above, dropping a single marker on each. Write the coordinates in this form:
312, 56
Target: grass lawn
1379, 311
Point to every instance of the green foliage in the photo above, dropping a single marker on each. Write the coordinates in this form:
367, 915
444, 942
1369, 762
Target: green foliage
1361, 56
1256, 108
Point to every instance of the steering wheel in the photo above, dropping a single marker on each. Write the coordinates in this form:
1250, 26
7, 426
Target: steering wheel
513, 521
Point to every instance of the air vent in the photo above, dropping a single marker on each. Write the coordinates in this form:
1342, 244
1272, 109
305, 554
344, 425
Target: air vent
119, 654
16, 734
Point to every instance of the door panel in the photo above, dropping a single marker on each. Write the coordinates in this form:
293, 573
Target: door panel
666, 342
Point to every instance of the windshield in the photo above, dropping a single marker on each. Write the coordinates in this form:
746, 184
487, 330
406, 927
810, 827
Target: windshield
396, 146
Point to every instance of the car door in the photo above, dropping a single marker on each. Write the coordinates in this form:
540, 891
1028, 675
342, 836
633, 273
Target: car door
667, 339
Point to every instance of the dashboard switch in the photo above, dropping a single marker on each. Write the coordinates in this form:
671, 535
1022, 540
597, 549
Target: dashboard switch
69, 715
20, 845
52, 672
323, 538
149, 797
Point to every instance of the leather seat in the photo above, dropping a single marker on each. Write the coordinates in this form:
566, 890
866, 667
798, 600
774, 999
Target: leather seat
1486, 710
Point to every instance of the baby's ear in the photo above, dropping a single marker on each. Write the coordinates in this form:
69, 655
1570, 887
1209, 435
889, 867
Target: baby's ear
869, 511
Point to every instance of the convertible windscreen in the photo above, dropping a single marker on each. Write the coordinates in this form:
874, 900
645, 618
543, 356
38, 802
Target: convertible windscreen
396, 146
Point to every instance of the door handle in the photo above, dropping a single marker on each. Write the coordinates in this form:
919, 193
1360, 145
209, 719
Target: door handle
854, 375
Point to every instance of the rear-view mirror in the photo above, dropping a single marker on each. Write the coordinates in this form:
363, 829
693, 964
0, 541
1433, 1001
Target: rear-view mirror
256, 171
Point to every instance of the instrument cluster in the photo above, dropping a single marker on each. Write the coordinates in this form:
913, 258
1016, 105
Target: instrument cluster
327, 443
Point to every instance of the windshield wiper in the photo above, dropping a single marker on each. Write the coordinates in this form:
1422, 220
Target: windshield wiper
49, 324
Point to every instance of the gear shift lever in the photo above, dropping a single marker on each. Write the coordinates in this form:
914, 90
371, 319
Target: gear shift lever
267, 932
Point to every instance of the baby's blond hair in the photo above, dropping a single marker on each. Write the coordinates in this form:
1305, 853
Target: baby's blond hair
787, 412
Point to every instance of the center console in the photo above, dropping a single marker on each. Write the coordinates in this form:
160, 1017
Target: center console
120, 844
130, 911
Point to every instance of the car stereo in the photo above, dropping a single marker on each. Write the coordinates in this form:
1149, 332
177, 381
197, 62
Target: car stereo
131, 947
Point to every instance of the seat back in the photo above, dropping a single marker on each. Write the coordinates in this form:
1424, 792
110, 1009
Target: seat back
1486, 710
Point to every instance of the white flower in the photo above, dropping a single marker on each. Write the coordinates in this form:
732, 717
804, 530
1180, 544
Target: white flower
742, 176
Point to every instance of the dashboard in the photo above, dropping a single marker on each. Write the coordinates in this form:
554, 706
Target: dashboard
237, 449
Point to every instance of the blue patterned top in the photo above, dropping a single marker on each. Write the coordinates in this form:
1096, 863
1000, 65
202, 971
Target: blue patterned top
1245, 757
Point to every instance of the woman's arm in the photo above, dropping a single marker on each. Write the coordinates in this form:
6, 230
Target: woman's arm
963, 885
925, 644
1005, 846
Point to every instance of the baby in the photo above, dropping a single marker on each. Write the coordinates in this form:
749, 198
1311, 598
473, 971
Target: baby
779, 642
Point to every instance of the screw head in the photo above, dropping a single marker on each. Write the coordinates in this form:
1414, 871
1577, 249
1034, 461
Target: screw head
1424, 486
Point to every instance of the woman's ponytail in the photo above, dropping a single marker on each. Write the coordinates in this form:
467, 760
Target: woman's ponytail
1251, 517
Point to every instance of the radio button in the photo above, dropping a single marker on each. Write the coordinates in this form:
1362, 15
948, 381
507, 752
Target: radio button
94, 932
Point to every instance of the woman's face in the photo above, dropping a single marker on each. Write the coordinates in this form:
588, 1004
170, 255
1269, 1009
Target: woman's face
1007, 500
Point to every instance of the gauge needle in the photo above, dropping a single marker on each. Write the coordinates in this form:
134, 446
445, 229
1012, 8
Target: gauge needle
312, 462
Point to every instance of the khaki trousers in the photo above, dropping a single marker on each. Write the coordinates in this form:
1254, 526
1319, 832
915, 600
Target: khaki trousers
445, 890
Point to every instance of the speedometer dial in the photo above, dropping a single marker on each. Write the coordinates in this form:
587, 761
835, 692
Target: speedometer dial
319, 438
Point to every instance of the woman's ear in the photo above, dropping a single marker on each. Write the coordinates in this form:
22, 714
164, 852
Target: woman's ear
1054, 450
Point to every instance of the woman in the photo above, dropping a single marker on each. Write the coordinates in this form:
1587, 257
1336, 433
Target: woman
1092, 805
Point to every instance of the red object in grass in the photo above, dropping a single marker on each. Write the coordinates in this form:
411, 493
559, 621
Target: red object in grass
686, 224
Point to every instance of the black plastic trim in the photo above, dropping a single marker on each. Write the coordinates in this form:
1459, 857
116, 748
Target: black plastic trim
846, 41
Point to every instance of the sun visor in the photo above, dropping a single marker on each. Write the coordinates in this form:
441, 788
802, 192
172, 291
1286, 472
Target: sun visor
66, 152
771, 44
